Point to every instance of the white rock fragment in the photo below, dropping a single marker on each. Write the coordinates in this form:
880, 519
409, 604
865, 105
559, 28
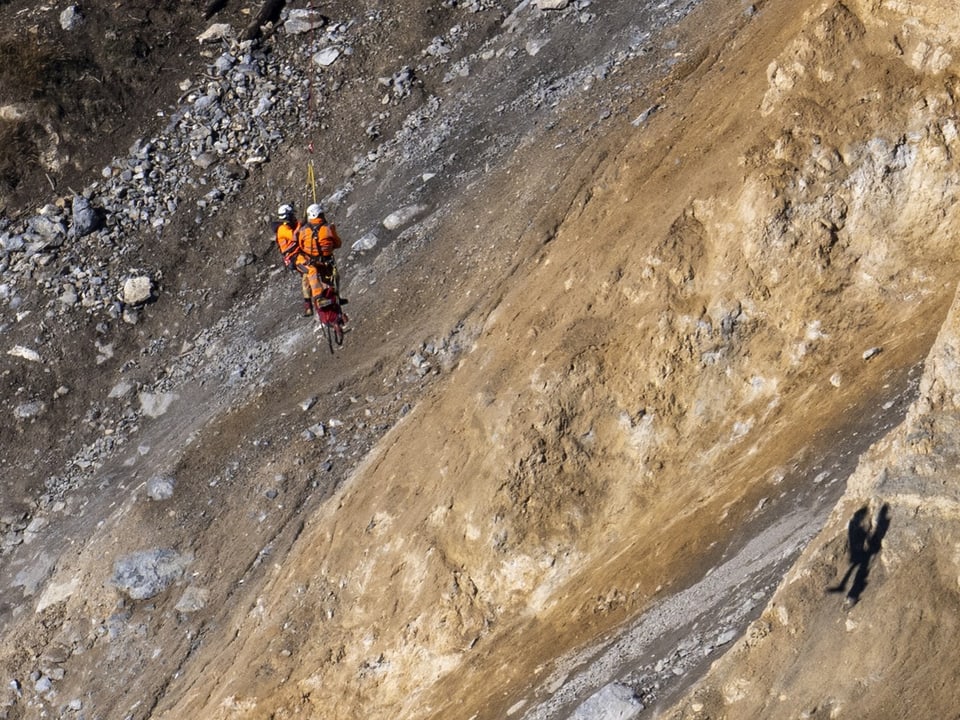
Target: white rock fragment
551, 4
872, 353
54, 593
137, 290
645, 115
401, 217
367, 242
193, 599
71, 18
949, 131
104, 352
12, 113
438, 47
156, 404
37, 524
301, 20
160, 487
35, 574
534, 46
612, 702
327, 56
204, 160
24, 352
727, 637
119, 390
216, 33
314, 431
29, 410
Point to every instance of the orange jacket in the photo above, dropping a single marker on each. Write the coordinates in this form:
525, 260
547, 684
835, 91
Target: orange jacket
287, 239
318, 239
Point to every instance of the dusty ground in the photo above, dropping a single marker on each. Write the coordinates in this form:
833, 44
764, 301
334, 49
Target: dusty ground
609, 366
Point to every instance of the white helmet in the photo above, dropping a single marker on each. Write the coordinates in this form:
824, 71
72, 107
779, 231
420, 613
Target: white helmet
285, 212
314, 211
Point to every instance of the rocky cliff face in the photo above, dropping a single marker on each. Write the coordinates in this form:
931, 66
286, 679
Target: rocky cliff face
859, 625
650, 322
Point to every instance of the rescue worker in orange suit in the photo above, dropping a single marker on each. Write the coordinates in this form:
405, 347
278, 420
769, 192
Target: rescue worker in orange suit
317, 240
286, 236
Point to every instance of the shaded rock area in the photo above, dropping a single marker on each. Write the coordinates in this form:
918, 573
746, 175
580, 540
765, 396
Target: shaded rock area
647, 403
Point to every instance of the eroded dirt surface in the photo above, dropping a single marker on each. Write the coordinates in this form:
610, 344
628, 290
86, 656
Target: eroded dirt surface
676, 268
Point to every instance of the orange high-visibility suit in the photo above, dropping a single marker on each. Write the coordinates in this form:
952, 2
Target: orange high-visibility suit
317, 240
287, 241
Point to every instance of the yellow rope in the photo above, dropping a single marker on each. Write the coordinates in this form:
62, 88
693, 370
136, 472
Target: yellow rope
312, 180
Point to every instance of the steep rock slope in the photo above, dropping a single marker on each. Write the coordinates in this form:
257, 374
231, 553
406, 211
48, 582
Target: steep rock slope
710, 269
746, 250
112, 587
862, 626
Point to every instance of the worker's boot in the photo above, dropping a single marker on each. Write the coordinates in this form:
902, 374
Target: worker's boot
307, 307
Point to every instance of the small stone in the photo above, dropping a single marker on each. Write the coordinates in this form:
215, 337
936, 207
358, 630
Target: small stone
872, 353
243, 260
726, 637
160, 487
43, 685
29, 410
25, 353
120, 389
71, 18
644, 116
156, 404
367, 242
612, 701
327, 56
204, 160
401, 217
85, 219
193, 599
37, 524
142, 575
303, 20
216, 33
533, 47
137, 290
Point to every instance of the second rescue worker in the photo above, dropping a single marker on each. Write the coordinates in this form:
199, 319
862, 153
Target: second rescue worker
317, 240
286, 235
